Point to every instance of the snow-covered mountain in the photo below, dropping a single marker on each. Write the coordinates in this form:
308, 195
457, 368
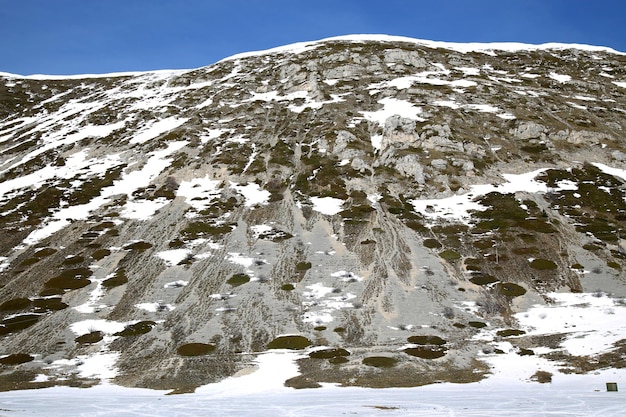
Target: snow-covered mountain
401, 212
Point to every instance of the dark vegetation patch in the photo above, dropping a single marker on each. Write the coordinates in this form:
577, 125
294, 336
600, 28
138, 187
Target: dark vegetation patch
198, 229
543, 264
238, 279
426, 340
357, 214
432, 243
450, 255
477, 324
73, 260
289, 342
597, 207
510, 289
70, 279
329, 353
90, 338
426, 352
504, 212
483, 279
303, 266
176, 243
17, 323
287, 287
195, 349
380, 361
119, 278
100, 254
543, 377
16, 359
138, 246
510, 332
136, 329
275, 235
43, 305
15, 304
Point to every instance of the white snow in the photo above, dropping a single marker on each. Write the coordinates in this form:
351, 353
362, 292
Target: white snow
157, 128
104, 326
346, 276
253, 193
143, 209
176, 284
4, 264
173, 257
593, 321
620, 83
391, 107
154, 307
241, 259
562, 78
199, 192
129, 183
327, 205
616, 172
377, 142
262, 393
259, 229
458, 207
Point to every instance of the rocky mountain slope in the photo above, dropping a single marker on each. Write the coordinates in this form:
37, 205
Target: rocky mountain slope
379, 203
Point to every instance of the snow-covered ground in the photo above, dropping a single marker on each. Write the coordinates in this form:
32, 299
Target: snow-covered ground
574, 396
507, 392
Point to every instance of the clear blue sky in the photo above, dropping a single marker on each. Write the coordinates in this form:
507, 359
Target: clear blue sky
99, 36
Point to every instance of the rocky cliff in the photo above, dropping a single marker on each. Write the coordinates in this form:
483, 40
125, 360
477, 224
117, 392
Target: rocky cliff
373, 202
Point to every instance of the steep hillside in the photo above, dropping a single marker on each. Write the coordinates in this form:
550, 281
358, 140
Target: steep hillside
381, 203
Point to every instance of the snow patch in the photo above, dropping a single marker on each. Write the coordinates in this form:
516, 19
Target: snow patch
327, 205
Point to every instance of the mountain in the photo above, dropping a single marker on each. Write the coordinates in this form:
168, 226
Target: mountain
389, 208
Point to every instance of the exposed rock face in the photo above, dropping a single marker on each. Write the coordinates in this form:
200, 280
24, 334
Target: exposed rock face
335, 192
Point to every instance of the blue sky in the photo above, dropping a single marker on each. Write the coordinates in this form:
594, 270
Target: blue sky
99, 36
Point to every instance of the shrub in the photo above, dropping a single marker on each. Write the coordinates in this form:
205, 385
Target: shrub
303, 266
90, 338
380, 361
510, 289
17, 323
73, 260
289, 342
100, 254
450, 255
138, 246
238, 279
426, 340
136, 329
483, 279
16, 359
195, 349
49, 304
70, 279
542, 264
543, 377
15, 304
329, 353
432, 243
510, 332
425, 352
115, 281
287, 287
